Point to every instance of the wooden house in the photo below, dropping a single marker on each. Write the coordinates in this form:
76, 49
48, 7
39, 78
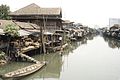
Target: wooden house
67, 24
48, 19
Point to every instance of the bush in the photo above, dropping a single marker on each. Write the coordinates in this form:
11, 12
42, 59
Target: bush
11, 30
2, 55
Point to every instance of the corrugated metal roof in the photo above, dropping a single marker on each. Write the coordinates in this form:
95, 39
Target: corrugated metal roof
4, 23
24, 33
24, 28
22, 25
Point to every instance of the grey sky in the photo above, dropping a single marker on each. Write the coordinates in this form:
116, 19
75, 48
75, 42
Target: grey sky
88, 12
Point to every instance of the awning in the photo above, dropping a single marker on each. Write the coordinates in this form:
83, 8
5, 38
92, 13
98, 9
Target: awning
48, 33
24, 33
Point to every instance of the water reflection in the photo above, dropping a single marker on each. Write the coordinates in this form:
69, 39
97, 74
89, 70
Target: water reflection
87, 59
12, 66
52, 70
55, 63
113, 43
82, 41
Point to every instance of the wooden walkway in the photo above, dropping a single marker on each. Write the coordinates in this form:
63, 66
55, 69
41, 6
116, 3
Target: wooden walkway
28, 57
29, 48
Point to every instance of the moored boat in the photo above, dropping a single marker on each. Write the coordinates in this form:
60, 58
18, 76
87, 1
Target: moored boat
24, 71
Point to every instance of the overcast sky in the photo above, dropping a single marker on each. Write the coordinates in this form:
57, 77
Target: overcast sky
87, 12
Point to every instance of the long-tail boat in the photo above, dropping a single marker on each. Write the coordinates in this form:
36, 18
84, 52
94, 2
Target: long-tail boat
24, 71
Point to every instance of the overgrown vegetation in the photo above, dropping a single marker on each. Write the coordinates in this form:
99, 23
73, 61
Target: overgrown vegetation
11, 30
2, 55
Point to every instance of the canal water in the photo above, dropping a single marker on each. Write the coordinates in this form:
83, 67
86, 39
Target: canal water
92, 58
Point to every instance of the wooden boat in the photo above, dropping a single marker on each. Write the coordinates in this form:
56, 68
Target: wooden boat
73, 39
57, 48
24, 71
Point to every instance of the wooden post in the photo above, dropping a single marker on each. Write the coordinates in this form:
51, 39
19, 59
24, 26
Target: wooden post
43, 44
40, 34
52, 39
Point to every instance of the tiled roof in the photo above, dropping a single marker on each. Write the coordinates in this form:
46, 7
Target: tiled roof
34, 9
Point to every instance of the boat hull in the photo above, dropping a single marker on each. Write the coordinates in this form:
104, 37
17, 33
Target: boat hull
17, 73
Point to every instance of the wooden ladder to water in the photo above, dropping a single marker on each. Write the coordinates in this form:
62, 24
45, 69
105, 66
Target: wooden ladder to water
29, 58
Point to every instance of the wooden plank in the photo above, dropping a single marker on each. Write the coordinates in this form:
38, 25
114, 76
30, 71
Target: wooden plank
29, 48
28, 57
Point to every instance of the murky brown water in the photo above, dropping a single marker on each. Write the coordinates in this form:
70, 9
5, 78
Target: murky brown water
93, 59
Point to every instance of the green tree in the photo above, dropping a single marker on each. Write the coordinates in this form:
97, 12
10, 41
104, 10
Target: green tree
4, 11
11, 30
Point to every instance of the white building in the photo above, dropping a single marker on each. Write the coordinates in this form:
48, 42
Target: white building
113, 21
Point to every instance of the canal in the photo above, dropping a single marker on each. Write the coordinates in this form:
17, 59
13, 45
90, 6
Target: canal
91, 58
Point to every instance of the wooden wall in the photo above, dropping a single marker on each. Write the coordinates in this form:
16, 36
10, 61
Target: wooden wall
50, 24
